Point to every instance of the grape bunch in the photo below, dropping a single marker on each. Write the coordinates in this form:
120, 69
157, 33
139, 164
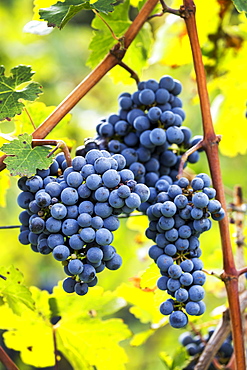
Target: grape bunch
72, 212
175, 224
147, 131
195, 344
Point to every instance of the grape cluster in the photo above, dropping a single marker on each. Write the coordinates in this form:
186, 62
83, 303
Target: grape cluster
72, 212
148, 132
195, 344
175, 224
131, 163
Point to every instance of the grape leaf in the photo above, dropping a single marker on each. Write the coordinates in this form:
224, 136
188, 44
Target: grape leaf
96, 303
11, 90
140, 338
59, 14
4, 186
240, 5
37, 4
180, 359
102, 40
24, 160
136, 57
226, 85
173, 31
98, 339
81, 327
149, 277
13, 291
81, 335
145, 304
30, 334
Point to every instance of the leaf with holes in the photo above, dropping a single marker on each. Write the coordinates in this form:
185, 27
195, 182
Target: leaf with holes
22, 159
59, 14
14, 293
15, 87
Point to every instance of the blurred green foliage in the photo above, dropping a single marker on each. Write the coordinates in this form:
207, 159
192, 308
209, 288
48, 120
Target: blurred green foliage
59, 60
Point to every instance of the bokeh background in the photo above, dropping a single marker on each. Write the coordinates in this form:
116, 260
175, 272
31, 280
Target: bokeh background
59, 60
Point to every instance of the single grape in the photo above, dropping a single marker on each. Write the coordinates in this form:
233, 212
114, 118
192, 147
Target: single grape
166, 308
75, 266
178, 319
69, 285
61, 252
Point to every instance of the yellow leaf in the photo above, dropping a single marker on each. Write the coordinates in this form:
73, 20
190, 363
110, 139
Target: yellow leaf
172, 46
137, 223
93, 342
4, 186
231, 112
37, 112
145, 308
149, 277
29, 334
141, 338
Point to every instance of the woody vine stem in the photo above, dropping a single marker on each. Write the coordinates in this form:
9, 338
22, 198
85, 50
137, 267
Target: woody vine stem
210, 143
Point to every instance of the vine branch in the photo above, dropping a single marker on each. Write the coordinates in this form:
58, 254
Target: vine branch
94, 77
230, 274
220, 334
166, 9
6, 360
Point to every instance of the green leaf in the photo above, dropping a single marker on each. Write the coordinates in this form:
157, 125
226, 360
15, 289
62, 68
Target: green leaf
241, 5
24, 160
104, 6
180, 358
14, 293
11, 90
102, 40
136, 57
60, 13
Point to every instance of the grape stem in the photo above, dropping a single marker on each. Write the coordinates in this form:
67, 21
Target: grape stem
10, 227
107, 25
186, 155
6, 360
30, 117
133, 74
166, 9
59, 144
231, 363
120, 216
212, 273
242, 271
230, 274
